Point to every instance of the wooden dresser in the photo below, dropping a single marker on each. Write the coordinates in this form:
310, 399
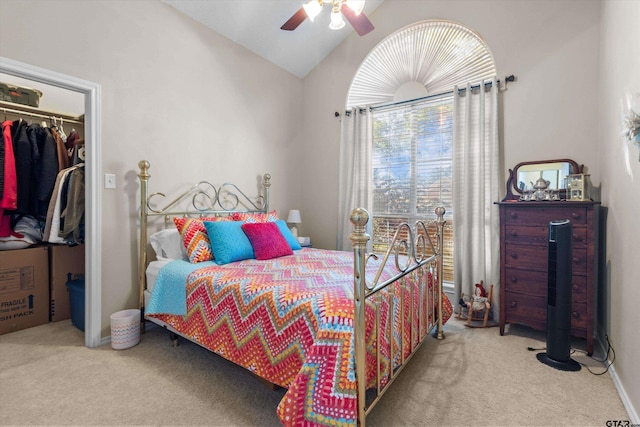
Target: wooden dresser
524, 233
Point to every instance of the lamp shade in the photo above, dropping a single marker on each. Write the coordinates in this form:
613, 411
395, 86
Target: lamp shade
336, 21
294, 217
312, 9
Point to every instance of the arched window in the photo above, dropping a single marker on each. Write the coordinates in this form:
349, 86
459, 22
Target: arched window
408, 79
422, 59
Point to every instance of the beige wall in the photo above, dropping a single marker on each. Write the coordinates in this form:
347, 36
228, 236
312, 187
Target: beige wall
174, 93
619, 163
188, 100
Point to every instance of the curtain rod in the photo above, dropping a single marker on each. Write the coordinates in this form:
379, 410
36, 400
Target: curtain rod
65, 117
510, 78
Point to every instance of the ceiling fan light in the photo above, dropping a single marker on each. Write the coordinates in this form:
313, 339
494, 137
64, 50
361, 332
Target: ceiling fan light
356, 5
312, 9
336, 21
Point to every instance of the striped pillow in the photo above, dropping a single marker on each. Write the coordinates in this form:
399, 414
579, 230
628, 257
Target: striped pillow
253, 217
195, 238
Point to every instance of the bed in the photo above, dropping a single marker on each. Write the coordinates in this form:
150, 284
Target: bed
334, 328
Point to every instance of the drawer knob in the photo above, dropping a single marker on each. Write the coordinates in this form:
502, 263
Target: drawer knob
514, 233
576, 260
513, 214
577, 238
514, 304
575, 314
575, 287
514, 279
575, 215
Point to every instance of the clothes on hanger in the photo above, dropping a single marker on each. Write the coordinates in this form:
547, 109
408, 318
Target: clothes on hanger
61, 150
53, 226
9, 195
72, 216
70, 144
32, 159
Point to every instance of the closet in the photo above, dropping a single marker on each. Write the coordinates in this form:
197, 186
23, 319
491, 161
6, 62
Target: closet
41, 211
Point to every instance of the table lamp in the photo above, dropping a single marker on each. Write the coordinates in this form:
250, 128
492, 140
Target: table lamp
294, 218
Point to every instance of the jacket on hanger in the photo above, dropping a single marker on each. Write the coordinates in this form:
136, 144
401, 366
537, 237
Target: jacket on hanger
8, 198
53, 226
24, 167
72, 217
48, 172
61, 150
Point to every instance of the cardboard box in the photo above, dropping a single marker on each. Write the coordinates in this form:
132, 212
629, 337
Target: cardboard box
63, 260
24, 288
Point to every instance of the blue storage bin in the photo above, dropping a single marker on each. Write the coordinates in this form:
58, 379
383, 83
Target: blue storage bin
76, 301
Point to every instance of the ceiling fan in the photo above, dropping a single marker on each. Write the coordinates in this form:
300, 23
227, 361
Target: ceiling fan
350, 9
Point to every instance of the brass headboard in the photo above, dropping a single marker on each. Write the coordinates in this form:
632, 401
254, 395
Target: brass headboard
201, 199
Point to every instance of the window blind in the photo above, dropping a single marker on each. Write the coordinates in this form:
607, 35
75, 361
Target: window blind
412, 164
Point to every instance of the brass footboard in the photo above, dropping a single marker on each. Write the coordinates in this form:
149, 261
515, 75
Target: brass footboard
418, 260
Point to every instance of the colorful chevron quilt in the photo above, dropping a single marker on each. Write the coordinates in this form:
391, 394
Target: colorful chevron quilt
290, 321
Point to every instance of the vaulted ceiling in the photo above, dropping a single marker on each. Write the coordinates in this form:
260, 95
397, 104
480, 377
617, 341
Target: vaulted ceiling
255, 24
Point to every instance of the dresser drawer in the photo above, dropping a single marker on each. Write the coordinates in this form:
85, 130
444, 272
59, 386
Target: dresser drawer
532, 310
526, 282
542, 216
539, 235
535, 283
578, 316
526, 257
535, 258
579, 261
522, 307
579, 289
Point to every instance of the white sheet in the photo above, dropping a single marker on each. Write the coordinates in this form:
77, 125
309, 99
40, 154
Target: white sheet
152, 271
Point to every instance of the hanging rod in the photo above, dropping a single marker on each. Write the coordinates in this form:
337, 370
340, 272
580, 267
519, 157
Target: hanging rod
33, 112
510, 78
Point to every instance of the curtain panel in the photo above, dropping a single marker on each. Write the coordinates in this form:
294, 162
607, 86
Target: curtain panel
354, 181
476, 187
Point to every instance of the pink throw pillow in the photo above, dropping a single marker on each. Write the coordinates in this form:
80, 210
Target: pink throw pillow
267, 240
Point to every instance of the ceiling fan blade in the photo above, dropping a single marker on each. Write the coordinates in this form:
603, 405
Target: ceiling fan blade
360, 23
293, 22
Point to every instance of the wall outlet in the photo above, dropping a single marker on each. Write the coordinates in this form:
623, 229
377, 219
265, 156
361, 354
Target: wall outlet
110, 181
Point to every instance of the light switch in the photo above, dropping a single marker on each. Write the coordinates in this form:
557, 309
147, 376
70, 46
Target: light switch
109, 180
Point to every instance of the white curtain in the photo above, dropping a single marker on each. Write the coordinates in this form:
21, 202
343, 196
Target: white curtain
476, 186
356, 137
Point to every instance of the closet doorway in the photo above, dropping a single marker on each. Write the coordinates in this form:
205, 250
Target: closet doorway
93, 191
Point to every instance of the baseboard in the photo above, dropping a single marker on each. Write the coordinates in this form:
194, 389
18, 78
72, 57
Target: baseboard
626, 401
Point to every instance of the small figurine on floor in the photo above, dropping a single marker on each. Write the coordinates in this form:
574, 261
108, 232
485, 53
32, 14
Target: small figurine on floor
478, 299
479, 303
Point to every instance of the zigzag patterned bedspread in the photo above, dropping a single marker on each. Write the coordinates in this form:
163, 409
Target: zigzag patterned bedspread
290, 321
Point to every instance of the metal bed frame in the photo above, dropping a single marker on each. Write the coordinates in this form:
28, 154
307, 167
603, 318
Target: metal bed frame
412, 249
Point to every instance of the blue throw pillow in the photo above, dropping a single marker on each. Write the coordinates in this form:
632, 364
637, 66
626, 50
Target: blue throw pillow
228, 241
289, 237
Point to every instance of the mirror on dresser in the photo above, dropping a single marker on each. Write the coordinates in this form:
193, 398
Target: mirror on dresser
524, 176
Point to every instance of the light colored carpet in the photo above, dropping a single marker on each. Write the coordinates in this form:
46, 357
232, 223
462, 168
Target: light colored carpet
473, 377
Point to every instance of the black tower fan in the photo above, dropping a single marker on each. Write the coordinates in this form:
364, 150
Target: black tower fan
559, 298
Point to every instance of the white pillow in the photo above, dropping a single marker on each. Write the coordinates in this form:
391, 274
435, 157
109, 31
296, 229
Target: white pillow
28, 228
168, 244
10, 243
